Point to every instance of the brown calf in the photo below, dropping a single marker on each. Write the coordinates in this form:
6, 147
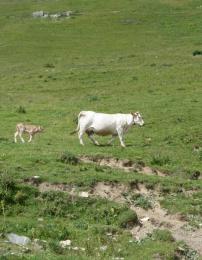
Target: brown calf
24, 128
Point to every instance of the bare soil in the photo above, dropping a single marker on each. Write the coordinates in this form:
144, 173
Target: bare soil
125, 165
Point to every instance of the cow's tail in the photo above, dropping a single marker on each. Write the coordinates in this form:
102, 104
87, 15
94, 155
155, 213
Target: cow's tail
78, 126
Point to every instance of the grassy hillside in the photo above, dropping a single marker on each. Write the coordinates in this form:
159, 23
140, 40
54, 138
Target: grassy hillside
110, 56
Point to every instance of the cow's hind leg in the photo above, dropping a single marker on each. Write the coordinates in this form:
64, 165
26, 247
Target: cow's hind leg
80, 135
111, 140
91, 136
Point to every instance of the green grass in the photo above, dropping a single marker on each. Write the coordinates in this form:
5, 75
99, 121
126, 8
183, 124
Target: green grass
112, 56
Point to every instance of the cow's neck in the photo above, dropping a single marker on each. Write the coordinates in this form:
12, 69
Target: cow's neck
130, 120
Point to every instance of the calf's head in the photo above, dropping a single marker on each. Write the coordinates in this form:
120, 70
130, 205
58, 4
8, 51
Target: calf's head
40, 129
137, 119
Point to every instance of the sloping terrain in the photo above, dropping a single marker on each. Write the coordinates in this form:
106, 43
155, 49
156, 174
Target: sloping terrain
60, 57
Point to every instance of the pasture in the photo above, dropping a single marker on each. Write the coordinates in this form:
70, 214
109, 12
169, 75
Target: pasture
114, 57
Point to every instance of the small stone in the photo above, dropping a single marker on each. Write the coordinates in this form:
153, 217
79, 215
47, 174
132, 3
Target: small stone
75, 248
145, 219
67, 13
55, 16
38, 14
103, 248
83, 194
65, 243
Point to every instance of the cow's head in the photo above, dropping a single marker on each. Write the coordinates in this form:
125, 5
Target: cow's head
137, 119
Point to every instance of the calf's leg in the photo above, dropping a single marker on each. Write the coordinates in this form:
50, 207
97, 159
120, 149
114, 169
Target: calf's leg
15, 136
30, 138
21, 138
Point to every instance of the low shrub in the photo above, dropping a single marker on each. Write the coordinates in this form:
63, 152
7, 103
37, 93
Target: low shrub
13, 193
68, 158
160, 160
21, 110
141, 201
128, 219
197, 52
163, 235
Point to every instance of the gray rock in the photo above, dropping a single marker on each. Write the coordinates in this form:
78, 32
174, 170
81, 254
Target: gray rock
67, 13
19, 240
55, 16
38, 14
65, 243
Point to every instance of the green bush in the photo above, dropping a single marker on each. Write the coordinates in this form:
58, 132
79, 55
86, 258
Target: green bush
163, 235
128, 219
21, 110
141, 201
160, 160
20, 197
13, 193
196, 52
68, 158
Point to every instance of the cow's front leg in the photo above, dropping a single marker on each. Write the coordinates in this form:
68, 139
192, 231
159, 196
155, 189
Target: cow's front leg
120, 134
93, 139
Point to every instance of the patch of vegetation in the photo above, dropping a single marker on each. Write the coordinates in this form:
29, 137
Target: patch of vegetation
21, 110
183, 251
160, 160
128, 219
162, 235
197, 52
99, 74
141, 201
12, 193
49, 65
68, 158
187, 205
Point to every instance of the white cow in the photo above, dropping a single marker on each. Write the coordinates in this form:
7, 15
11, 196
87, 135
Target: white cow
91, 123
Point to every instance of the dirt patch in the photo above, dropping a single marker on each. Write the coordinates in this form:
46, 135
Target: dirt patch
125, 165
46, 186
110, 191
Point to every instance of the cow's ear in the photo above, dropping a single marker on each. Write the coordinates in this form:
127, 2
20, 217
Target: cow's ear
134, 114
